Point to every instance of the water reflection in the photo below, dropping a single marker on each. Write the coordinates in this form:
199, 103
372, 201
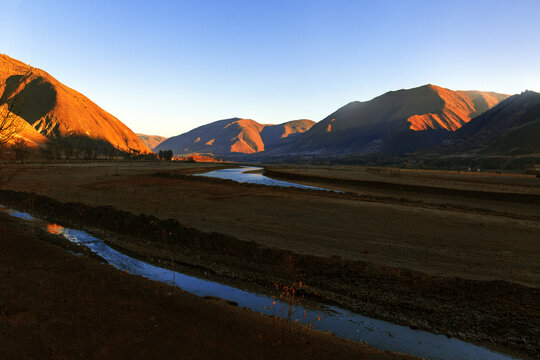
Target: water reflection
248, 174
54, 229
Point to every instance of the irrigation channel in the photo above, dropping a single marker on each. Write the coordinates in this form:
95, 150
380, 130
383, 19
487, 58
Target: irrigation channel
343, 323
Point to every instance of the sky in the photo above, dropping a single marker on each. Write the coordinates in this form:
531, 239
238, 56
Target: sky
166, 67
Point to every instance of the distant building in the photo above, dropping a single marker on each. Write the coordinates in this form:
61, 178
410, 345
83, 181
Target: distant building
533, 169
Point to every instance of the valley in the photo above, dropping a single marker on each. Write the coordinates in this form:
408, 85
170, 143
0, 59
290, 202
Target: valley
419, 208
375, 254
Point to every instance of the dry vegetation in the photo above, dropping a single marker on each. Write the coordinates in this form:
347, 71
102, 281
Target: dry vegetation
54, 305
446, 237
474, 243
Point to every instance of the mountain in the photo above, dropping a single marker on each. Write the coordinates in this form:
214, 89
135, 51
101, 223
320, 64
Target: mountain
235, 136
56, 111
505, 136
151, 141
395, 122
512, 127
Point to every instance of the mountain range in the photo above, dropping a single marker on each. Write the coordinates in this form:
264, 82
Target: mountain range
428, 123
235, 136
393, 123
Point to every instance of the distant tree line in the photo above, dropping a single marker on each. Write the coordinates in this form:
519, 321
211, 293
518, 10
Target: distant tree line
165, 155
70, 147
84, 148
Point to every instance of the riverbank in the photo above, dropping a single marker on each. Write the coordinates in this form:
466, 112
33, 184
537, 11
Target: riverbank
498, 314
507, 194
55, 305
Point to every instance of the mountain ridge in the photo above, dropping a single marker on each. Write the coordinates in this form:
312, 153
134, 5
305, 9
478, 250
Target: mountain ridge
234, 136
394, 122
511, 127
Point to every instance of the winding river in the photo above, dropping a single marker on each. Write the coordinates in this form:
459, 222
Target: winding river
253, 175
380, 334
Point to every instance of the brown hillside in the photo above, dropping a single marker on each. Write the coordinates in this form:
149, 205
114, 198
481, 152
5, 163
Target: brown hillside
397, 121
459, 107
55, 110
506, 136
151, 141
248, 140
234, 136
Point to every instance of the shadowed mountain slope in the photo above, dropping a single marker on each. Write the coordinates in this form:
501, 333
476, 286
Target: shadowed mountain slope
234, 136
54, 110
397, 121
512, 127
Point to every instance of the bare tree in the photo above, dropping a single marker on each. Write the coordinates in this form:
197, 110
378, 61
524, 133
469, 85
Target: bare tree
20, 150
10, 126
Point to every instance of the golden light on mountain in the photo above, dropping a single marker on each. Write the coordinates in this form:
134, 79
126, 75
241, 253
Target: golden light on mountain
458, 108
55, 110
151, 141
397, 121
235, 136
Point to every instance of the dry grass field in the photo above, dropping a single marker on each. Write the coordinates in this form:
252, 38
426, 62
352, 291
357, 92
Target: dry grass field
54, 305
425, 235
459, 242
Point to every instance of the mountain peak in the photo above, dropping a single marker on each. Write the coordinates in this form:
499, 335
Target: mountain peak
396, 121
234, 136
434, 87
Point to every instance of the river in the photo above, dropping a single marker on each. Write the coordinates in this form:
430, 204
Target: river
253, 175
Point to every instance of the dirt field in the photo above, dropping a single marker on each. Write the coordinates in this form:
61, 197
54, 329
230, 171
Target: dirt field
54, 305
444, 236
509, 193
434, 239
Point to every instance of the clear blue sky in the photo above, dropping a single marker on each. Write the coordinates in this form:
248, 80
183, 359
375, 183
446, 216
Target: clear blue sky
165, 67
